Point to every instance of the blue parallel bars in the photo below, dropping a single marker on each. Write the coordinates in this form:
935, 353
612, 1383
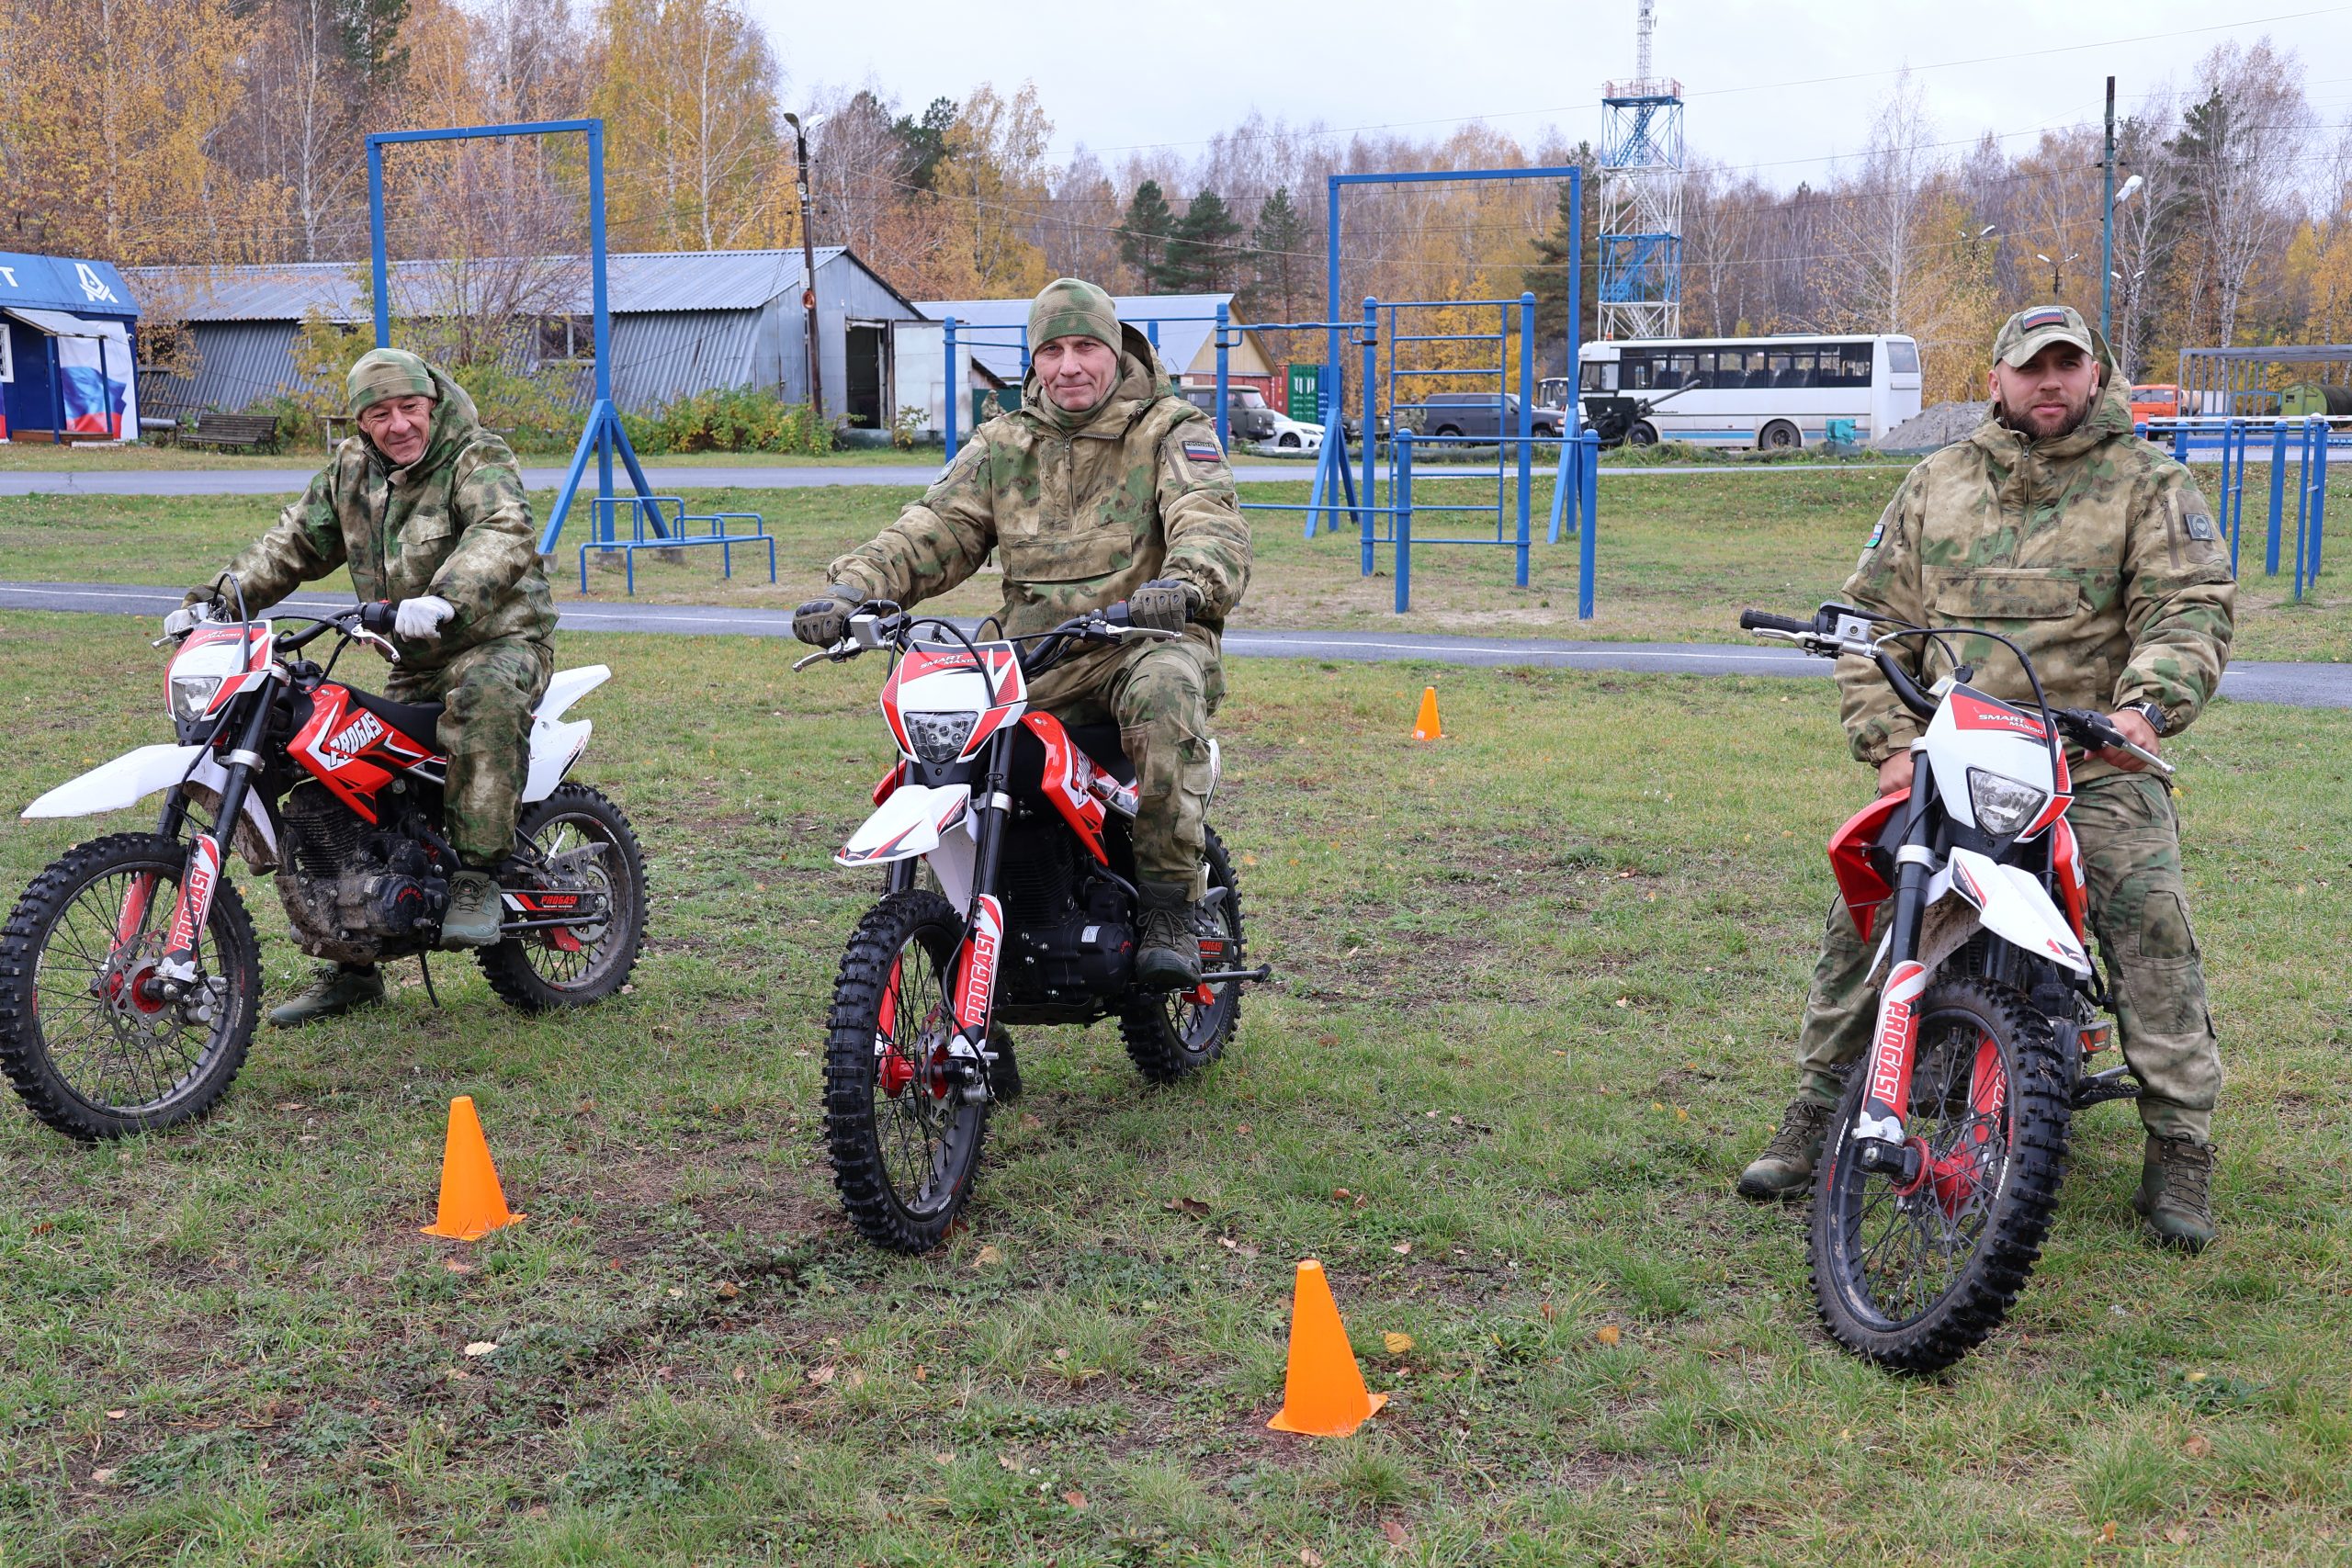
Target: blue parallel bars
1400, 496
2234, 436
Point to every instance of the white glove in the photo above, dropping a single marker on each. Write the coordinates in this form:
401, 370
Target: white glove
419, 620
184, 620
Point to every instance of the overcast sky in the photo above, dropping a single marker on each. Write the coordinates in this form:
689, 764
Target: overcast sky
1783, 85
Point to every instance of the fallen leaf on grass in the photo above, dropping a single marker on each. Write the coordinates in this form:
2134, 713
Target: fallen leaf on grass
821, 1376
922, 1374
103, 1477
482, 1347
942, 1460
2179, 1535
1395, 1533
743, 1376
456, 1265
1310, 1557
1549, 1310
1075, 1499
986, 1256
1397, 1343
2107, 1532
2198, 1446
1609, 1334
1186, 1206
1243, 1129
1403, 1249
728, 1290
117, 1415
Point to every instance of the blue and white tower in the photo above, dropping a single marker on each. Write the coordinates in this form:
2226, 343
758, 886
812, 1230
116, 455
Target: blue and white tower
1641, 199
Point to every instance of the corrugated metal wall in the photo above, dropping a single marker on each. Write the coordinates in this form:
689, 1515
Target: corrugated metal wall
243, 363
661, 356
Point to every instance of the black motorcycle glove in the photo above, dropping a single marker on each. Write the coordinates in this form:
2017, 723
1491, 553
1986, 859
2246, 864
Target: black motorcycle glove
821, 622
1163, 605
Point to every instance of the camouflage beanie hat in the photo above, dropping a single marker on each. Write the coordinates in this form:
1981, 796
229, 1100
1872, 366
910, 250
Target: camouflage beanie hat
1071, 307
387, 373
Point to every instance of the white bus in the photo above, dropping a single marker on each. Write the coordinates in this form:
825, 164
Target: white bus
1774, 392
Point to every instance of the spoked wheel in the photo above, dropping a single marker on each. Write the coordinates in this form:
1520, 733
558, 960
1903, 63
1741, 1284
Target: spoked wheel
1914, 1275
582, 850
86, 1035
905, 1141
1170, 1034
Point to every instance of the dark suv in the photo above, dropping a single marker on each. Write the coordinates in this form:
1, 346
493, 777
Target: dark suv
1474, 414
1247, 414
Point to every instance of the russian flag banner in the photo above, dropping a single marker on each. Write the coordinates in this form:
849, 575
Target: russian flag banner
96, 373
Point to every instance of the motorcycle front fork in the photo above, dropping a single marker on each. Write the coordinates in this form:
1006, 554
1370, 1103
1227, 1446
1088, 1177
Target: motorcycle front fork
1880, 1146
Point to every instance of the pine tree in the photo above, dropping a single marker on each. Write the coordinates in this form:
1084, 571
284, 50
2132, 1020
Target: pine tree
1547, 277
1144, 235
1202, 256
924, 141
1279, 265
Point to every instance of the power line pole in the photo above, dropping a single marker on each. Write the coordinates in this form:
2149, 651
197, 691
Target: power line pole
2107, 221
808, 275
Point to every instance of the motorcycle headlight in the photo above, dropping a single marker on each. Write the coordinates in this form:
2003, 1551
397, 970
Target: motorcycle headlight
191, 694
2003, 806
939, 737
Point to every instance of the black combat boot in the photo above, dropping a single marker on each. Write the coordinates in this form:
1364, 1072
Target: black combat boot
1785, 1168
333, 991
2175, 1193
1167, 954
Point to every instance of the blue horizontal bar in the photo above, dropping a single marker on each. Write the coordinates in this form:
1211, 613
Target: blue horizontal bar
470, 132
1548, 172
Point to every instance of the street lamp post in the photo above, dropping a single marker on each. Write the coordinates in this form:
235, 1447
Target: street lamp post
809, 271
2056, 265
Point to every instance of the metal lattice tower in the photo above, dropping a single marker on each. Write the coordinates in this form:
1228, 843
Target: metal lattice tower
1641, 199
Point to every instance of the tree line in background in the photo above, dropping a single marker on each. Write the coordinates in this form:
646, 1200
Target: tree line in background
220, 131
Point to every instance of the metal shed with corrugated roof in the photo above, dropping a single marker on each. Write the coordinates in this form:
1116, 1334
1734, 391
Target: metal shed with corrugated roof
682, 322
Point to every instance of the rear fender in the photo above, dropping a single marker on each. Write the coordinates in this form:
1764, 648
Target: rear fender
910, 821
133, 776
555, 745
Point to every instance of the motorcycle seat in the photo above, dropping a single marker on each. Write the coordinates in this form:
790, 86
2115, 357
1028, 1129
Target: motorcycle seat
421, 722
1101, 742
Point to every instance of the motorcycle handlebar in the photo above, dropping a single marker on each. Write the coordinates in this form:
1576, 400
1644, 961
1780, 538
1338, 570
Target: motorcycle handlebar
378, 616
1765, 621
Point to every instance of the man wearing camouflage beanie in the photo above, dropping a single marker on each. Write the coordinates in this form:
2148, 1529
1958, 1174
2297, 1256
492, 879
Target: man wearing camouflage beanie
426, 508
1104, 485
2094, 551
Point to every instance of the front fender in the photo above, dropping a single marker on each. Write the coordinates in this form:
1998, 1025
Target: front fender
133, 776
2011, 904
909, 822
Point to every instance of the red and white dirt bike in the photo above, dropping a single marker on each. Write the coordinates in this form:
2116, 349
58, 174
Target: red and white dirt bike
130, 974
1021, 823
1941, 1168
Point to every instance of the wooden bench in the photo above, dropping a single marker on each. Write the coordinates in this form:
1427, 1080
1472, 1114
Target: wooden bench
232, 430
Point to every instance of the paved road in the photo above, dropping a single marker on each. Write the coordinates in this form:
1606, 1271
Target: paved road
288, 481
2292, 684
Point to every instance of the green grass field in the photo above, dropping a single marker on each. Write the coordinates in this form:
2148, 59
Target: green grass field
1535, 988
1679, 556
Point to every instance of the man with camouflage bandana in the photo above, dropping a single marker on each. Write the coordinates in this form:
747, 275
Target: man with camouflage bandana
2094, 552
426, 508
1104, 485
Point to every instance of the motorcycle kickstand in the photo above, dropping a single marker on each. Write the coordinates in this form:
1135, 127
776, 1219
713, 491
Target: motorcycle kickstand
425, 967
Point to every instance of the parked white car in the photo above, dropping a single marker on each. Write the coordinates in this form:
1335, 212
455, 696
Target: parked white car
1290, 435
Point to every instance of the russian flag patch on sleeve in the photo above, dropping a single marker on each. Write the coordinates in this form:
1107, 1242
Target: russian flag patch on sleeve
1201, 452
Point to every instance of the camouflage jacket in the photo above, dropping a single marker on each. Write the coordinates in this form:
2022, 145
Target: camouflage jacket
1078, 519
454, 524
2094, 552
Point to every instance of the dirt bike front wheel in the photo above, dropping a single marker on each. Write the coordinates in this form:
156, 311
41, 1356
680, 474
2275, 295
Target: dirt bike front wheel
579, 845
1913, 1274
1173, 1034
85, 1036
904, 1142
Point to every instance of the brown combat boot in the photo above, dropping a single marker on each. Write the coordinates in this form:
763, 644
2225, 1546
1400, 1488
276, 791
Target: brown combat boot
1785, 1168
2176, 1193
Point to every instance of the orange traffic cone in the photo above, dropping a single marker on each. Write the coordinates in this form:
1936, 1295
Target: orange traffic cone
1426, 727
1323, 1395
472, 1203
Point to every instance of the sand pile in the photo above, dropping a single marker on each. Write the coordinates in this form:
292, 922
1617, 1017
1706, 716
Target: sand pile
1933, 427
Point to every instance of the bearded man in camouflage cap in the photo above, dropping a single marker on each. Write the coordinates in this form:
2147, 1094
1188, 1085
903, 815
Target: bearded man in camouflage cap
1104, 485
2094, 552
426, 508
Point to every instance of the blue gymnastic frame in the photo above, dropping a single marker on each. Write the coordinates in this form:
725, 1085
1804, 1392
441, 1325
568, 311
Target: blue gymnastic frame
2233, 438
604, 434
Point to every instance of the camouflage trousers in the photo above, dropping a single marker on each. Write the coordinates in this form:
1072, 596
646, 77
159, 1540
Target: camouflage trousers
1161, 694
490, 691
2131, 841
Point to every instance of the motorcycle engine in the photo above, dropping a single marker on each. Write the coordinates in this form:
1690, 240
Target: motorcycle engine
354, 893
1068, 943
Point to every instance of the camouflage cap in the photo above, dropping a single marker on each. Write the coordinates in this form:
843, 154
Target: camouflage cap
387, 373
1071, 307
2035, 328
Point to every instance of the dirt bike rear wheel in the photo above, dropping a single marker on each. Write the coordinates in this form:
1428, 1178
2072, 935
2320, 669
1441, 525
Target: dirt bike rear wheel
535, 971
1915, 1277
1173, 1034
905, 1143
81, 1038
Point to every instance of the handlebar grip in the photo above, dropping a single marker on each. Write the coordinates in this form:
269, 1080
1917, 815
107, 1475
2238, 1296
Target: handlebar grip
1765, 621
378, 616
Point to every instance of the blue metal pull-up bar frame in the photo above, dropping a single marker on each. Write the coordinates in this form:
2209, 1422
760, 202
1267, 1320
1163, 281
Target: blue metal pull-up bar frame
604, 433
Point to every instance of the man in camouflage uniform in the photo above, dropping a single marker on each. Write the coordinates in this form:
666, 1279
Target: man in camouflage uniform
1104, 485
427, 509
2094, 552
